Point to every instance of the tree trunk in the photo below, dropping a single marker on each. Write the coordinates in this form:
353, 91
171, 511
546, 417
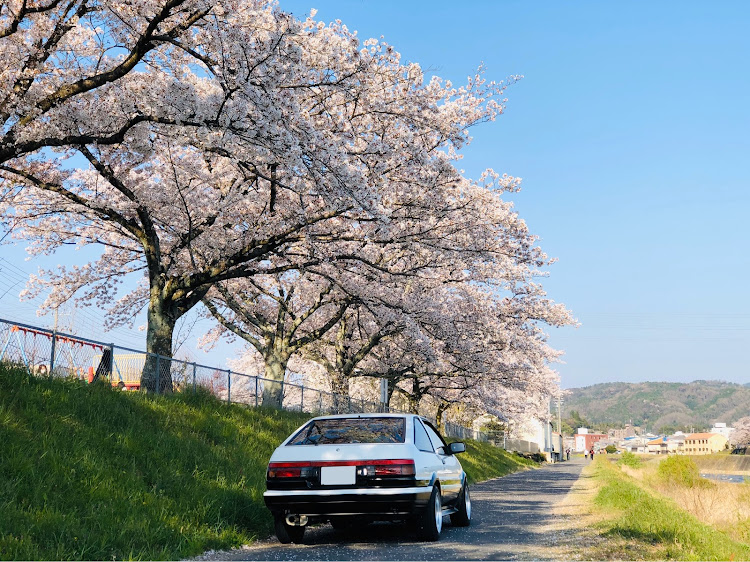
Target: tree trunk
391, 389
415, 396
340, 392
273, 386
157, 371
441, 408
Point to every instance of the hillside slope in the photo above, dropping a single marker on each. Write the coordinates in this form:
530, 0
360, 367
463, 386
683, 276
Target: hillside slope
92, 473
656, 405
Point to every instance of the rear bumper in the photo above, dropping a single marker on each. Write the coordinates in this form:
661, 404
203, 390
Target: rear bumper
380, 501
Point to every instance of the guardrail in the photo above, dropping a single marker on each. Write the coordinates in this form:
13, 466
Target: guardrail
45, 352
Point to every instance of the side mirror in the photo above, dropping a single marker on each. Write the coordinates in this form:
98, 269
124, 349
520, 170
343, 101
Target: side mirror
457, 447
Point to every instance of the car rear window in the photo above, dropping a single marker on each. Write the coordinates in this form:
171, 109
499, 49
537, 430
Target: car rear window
335, 431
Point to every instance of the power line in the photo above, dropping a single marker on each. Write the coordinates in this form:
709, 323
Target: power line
11, 276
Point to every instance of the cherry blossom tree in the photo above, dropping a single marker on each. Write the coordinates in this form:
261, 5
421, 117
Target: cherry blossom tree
456, 346
225, 140
447, 330
345, 354
472, 350
741, 433
333, 316
278, 315
69, 73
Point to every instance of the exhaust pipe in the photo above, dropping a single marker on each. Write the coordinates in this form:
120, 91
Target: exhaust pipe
294, 520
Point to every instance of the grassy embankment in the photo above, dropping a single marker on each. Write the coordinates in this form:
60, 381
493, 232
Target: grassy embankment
88, 472
666, 511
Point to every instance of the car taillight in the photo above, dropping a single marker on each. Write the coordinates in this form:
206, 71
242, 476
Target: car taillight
289, 470
366, 468
397, 467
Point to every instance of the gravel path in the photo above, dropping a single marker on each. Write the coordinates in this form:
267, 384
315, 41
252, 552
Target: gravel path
508, 515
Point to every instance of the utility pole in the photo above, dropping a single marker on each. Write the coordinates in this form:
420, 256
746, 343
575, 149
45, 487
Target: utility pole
67, 326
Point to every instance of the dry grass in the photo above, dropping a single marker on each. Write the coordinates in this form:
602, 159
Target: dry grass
723, 505
716, 503
583, 529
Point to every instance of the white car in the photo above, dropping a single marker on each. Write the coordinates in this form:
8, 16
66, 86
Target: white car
355, 468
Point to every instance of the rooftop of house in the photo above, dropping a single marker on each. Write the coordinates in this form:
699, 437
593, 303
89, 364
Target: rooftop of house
703, 435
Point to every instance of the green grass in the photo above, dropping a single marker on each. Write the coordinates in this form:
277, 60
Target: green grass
92, 473
680, 471
87, 472
657, 523
483, 461
629, 459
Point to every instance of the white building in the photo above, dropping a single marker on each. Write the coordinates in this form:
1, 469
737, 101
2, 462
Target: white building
539, 433
581, 440
722, 429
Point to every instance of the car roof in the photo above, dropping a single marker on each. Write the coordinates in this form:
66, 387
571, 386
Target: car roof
368, 415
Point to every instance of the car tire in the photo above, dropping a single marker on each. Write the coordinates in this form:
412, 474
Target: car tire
462, 517
431, 520
287, 533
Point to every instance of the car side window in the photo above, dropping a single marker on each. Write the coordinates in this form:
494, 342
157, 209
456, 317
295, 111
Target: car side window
437, 442
421, 440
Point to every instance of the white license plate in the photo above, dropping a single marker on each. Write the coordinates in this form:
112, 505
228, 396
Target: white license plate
338, 475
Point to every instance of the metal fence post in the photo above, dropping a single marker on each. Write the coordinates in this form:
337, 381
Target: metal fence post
229, 386
195, 368
256, 391
52, 353
302, 399
158, 373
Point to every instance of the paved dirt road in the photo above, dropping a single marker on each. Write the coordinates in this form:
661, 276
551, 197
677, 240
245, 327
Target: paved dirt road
508, 514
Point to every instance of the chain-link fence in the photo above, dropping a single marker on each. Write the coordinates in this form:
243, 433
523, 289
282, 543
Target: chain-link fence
44, 352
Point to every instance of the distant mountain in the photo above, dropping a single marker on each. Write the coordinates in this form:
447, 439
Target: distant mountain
656, 405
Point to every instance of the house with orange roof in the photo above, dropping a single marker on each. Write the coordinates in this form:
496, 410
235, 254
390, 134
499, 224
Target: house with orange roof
657, 446
704, 443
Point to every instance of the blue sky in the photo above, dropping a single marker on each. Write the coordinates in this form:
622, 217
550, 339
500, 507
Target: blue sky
630, 129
